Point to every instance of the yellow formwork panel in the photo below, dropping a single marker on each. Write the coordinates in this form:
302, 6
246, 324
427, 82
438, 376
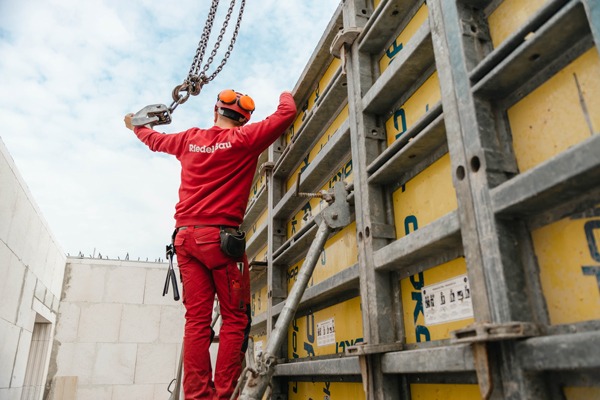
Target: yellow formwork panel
582, 393
312, 99
315, 205
510, 16
339, 253
424, 391
261, 255
325, 390
425, 198
337, 122
327, 331
258, 300
260, 342
427, 95
407, 33
258, 185
448, 310
258, 294
568, 253
551, 119
259, 222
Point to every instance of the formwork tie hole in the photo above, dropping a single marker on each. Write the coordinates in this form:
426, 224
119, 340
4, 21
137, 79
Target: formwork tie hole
475, 164
460, 172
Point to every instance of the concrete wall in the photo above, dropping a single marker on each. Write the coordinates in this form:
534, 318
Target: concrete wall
31, 276
117, 336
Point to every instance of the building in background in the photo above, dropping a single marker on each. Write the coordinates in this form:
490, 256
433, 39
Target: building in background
77, 328
32, 267
117, 337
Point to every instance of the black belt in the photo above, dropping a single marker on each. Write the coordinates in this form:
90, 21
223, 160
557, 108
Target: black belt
206, 226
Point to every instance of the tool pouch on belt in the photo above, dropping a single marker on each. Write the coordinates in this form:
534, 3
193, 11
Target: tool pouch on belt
233, 242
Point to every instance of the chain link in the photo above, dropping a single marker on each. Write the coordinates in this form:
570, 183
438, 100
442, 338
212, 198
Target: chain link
220, 39
197, 78
195, 67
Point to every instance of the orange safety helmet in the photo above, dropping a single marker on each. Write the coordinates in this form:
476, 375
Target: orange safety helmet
241, 104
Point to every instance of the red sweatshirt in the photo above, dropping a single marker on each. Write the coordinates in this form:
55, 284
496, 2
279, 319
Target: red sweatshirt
218, 165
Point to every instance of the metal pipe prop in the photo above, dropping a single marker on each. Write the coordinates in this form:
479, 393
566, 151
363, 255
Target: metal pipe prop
335, 216
256, 386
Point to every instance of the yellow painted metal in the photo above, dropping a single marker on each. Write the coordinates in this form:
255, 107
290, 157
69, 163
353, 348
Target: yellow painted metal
260, 255
376, 4
256, 187
316, 149
339, 253
313, 206
258, 299
422, 391
427, 95
260, 221
407, 33
306, 340
551, 119
312, 99
509, 16
414, 319
425, 198
325, 390
582, 393
259, 290
568, 253
260, 342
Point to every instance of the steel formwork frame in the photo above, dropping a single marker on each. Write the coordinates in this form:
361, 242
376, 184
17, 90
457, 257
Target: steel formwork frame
512, 351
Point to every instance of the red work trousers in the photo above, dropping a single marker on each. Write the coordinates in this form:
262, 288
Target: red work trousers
206, 270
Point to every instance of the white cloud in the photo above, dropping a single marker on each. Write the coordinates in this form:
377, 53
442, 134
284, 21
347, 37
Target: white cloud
70, 70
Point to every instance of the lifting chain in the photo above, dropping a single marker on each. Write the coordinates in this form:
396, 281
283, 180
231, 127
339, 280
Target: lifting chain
160, 114
198, 77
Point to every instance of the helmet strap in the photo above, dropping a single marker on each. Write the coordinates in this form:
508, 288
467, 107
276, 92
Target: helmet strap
227, 113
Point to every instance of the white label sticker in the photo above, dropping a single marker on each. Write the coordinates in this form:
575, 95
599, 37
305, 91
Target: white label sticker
326, 332
447, 301
258, 348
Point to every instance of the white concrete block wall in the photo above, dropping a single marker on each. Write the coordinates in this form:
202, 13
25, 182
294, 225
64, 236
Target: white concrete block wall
32, 268
114, 336
116, 332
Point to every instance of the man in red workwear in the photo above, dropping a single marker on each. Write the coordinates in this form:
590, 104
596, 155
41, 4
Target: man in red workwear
217, 169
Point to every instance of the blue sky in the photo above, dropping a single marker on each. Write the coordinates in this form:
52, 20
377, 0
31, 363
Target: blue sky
70, 70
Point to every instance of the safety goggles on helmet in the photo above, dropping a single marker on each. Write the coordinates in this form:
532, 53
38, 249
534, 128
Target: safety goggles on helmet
235, 101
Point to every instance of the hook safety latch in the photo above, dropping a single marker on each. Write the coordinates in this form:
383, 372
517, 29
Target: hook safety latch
154, 114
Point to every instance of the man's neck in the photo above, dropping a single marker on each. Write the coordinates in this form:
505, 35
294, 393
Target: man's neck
224, 124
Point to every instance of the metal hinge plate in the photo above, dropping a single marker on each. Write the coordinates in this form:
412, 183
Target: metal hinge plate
364, 349
347, 36
486, 332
